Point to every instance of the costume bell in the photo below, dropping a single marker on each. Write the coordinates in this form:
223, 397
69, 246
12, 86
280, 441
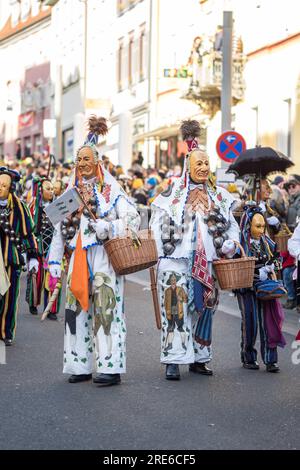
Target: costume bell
40, 285
17, 240
265, 314
193, 226
95, 329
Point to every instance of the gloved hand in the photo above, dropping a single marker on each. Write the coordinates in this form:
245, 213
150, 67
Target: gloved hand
228, 248
273, 221
33, 264
263, 273
101, 228
55, 270
269, 268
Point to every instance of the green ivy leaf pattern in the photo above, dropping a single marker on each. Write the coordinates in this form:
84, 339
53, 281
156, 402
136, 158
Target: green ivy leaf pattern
75, 359
118, 299
86, 339
100, 364
110, 364
83, 359
90, 349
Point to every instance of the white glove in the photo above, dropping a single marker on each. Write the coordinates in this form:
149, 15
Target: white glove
101, 228
228, 248
270, 268
55, 270
263, 273
33, 264
273, 220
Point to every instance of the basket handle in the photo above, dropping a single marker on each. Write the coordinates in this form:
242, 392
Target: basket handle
238, 245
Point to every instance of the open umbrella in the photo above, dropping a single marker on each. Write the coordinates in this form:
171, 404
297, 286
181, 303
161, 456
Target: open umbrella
259, 161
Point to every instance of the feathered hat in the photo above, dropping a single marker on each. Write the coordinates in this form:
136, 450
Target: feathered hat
96, 126
190, 130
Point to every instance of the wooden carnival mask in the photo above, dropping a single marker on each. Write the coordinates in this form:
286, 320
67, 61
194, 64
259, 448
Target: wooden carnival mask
199, 166
85, 163
47, 191
258, 226
266, 190
5, 184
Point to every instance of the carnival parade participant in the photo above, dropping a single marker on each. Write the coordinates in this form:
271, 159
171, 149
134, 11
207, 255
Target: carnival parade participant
95, 329
40, 285
17, 239
268, 314
187, 288
294, 250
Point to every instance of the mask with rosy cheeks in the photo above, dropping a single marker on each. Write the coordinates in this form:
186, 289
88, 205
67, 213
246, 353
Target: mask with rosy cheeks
47, 188
5, 184
258, 226
266, 190
199, 166
85, 163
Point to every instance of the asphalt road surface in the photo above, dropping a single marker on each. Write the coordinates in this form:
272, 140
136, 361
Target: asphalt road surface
233, 409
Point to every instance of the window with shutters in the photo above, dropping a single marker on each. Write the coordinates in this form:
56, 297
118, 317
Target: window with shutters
131, 58
120, 65
142, 52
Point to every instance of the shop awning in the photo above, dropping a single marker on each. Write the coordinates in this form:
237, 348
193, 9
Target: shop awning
161, 132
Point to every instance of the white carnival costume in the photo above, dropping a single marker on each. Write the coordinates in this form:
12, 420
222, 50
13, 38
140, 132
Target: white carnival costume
193, 226
95, 330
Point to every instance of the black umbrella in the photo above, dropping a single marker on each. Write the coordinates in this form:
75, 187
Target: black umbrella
259, 161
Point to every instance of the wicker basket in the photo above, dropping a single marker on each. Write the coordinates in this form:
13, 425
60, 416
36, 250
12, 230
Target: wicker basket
235, 273
281, 240
127, 258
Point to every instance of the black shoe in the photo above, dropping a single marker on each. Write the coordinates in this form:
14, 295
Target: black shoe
272, 367
107, 379
200, 368
172, 372
52, 316
79, 378
33, 310
290, 304
251, 365
8, 341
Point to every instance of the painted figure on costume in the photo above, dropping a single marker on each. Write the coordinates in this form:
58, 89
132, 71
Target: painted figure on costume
17, 242
265, 314
193, 226
95, 293
175, 297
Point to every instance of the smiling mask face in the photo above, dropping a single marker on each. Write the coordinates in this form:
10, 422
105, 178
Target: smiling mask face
199, 167
86, 163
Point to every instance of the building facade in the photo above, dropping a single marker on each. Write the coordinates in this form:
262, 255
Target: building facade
25, 87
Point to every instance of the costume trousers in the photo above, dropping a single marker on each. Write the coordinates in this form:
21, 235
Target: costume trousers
252, 313
178, 344
95, 340
9, 305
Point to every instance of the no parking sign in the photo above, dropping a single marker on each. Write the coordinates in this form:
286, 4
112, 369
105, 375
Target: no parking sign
229, 145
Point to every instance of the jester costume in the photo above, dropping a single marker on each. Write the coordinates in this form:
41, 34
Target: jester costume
39, 284
95, 329
266, 315
17, 242
190, 222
